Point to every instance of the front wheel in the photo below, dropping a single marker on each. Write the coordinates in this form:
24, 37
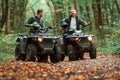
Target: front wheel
31, 52
92, 52
70, 52
18, 54
81, 55
62, 57
56, 57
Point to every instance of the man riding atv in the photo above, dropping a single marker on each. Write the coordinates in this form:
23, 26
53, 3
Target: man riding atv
38, 19
68, 27
73, 21
37, 45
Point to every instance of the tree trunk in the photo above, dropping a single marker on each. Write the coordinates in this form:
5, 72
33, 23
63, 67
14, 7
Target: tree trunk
4, 6
90, 15
76, 6
116, 2
98, 20
101, 28
7, 27
95, 17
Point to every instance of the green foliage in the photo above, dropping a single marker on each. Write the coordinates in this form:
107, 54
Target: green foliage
7, 46
112, 41
34, 5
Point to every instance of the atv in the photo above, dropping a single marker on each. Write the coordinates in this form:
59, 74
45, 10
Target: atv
37, 46
75, 43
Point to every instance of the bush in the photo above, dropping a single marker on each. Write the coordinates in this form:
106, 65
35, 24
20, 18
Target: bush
7, 46
112, 41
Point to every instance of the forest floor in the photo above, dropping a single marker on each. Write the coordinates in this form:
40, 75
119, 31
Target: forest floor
105, 67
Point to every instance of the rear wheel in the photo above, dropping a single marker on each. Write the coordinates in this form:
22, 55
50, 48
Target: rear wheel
93, 52
56, 57
31, 52
70, 52
18, 54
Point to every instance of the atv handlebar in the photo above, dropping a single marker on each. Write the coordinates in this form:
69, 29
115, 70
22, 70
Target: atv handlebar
32, 25
38, 28
41, 30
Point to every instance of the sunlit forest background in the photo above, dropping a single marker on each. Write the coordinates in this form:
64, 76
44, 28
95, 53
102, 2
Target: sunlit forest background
104, 15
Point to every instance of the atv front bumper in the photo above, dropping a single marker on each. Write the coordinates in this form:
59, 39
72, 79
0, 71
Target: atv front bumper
46, 48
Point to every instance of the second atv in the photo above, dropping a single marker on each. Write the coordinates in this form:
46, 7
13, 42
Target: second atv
75, 43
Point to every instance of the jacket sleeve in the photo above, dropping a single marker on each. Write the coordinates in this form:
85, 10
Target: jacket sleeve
30, 20
83, 23
64, 23
42, 23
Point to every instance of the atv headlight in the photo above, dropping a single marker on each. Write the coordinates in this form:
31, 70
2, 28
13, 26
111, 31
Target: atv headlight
90, 38
77, 39
40, 39
53, 40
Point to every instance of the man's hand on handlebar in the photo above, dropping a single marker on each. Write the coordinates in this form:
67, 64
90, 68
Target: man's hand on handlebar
39, 28
31, 26
89, 22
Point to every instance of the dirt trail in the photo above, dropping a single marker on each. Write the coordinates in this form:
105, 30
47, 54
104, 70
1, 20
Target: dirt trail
105, 67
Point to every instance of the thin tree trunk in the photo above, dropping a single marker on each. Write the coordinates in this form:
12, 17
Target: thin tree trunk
76, 6
118, 7
98, 20
4, 5
90, 16
101, 29
95, 10
7, 28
